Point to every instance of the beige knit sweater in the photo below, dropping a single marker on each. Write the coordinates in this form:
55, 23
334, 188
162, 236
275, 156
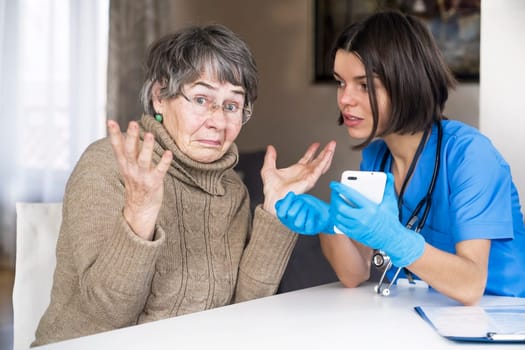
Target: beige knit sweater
205, 252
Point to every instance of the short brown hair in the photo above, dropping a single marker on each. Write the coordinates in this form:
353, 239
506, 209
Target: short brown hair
401, 52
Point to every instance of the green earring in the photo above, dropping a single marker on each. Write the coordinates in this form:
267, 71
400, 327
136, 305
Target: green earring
158, 117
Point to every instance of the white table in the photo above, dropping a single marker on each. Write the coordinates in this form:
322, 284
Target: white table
323, 317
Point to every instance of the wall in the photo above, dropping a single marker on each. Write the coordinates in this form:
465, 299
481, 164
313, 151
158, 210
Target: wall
501, 88
291, 111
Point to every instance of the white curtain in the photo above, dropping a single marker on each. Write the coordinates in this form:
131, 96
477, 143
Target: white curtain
53, 59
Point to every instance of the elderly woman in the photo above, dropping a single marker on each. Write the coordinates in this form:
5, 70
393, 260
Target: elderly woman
156, 223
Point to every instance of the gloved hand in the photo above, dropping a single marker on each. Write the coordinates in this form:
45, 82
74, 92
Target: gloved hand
304, 214
375, 225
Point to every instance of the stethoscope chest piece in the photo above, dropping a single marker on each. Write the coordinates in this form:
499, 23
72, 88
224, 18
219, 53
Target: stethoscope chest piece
379, 259
383, 286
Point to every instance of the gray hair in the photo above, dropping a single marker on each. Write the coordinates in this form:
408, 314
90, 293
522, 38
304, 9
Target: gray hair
182, 57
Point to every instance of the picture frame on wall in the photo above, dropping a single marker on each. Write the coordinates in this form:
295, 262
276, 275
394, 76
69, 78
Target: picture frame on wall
455, 24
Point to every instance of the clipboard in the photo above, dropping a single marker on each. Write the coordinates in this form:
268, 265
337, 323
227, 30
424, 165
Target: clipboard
496, 323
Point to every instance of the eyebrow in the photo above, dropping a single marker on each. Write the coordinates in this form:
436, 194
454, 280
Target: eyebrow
359, 77
211, 87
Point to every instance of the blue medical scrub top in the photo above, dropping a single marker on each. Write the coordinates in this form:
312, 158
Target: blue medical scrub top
474, 198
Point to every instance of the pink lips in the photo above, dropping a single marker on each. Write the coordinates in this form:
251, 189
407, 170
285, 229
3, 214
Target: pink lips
351, 121
211, 142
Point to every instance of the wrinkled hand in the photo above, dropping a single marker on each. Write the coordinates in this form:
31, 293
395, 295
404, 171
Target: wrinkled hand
298, 178
304, 214
143, 181
375, 225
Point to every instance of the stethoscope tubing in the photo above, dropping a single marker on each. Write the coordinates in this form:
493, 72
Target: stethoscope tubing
425, 201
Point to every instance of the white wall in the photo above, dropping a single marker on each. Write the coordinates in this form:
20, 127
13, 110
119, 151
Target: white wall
291, 111
502, 116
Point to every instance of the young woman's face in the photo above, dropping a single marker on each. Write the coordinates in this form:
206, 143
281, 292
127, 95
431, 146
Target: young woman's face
352, 96
201, 133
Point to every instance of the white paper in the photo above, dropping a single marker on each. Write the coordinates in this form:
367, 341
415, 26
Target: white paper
476, 321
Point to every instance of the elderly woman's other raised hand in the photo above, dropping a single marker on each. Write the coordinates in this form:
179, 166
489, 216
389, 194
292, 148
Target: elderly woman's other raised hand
298, 178
143, 180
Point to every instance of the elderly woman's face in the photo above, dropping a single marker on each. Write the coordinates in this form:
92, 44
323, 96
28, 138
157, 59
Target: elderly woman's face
204, 122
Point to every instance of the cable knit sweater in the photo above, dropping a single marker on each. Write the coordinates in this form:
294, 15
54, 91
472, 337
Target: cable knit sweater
205, 252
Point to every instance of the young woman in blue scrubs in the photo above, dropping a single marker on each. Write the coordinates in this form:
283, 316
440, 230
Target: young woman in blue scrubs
446, 181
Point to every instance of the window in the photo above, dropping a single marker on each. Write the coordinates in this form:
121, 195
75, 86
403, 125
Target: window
52, 97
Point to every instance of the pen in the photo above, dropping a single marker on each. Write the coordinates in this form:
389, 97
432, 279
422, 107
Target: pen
506, 336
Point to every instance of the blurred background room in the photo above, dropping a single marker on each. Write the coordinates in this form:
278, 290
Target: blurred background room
66, 66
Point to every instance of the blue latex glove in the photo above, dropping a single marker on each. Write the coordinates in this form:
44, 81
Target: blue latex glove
304, 214
375, 225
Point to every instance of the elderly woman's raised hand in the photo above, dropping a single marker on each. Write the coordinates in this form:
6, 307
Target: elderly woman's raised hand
298, 178
143, 181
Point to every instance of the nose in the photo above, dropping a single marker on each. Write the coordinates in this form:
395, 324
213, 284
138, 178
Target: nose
217, 117
214, 106
347, 97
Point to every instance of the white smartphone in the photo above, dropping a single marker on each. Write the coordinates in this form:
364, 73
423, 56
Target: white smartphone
370, 184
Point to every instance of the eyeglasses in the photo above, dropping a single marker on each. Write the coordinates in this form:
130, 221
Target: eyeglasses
204, 105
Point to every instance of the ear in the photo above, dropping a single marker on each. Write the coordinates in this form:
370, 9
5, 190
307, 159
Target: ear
158, 103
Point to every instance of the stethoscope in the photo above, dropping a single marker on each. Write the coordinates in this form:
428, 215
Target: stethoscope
379, 258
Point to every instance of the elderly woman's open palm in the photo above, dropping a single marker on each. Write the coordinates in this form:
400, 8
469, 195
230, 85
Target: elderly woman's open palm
143, 180
299, 177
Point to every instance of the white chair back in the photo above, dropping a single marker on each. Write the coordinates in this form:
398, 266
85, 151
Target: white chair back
37, 228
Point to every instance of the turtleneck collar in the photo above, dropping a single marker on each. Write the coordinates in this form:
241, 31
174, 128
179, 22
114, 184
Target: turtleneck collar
206, 176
